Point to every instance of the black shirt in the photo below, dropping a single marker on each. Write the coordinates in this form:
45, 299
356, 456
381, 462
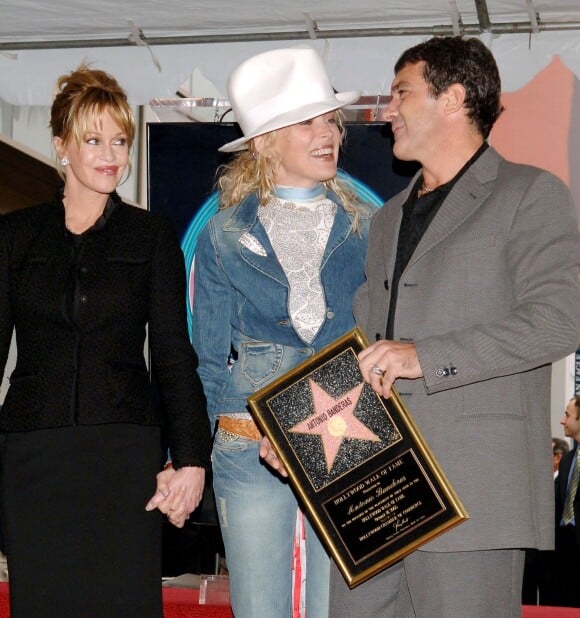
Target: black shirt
418, 212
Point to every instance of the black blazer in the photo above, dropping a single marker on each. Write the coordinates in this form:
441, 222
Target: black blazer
80, 319
560, 485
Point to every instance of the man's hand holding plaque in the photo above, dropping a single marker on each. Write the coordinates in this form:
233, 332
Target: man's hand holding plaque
384, 361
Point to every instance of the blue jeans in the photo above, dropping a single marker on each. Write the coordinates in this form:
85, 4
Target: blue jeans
257, 513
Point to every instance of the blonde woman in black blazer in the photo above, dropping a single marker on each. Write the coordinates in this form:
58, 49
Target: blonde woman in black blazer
81, 279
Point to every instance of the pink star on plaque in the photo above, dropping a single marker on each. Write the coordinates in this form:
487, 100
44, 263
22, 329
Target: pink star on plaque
334, 420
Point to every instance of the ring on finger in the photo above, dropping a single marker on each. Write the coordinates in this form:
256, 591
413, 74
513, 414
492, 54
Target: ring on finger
378, 371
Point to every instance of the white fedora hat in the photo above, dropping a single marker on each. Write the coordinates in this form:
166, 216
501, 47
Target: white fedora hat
279, 88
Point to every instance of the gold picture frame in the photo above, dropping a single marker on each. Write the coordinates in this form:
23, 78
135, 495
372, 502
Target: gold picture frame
365, 476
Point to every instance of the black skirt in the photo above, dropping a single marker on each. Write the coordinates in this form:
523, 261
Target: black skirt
78, 540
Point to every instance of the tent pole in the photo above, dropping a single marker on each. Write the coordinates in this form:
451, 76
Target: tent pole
443, 30
483, 15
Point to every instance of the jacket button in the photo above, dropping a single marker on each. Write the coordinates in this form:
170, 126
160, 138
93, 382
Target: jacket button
453, 371
84, 270
83, 298
329, 315
442, 372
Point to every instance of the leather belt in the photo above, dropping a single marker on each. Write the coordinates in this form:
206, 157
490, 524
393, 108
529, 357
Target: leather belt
244, 427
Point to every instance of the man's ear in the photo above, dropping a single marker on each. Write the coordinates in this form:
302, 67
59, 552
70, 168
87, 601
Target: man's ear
454, 98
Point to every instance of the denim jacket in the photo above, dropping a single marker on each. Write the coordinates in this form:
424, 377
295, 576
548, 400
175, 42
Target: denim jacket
240, 306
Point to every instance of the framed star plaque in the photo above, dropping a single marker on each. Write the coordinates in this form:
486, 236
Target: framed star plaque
365, 476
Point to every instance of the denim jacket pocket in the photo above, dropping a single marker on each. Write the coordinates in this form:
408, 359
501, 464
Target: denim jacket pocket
260, 361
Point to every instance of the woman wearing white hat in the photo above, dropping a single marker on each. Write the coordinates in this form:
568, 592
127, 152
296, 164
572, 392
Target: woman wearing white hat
275, 274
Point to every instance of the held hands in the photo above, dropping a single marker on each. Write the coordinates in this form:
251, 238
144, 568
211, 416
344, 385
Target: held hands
268, 454
178, 493
385, 361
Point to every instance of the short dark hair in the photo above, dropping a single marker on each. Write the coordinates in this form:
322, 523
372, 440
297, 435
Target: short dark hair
576, 400
559, 446
455, 60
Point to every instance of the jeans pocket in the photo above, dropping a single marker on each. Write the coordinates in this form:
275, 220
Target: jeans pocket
260, 361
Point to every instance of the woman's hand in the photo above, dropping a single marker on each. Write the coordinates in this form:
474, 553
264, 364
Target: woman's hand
178, 493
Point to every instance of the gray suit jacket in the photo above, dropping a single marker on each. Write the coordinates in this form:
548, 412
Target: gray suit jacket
490, 297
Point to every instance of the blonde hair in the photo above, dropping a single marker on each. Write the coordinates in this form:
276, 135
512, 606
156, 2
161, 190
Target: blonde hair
251, 172
81, 98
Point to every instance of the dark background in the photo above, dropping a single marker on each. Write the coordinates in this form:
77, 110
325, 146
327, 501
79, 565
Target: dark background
183, 157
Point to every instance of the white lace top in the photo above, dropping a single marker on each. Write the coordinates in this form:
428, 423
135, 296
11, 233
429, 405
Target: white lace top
299, 231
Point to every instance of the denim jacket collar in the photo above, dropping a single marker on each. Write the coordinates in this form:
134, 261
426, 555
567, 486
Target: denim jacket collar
244, 218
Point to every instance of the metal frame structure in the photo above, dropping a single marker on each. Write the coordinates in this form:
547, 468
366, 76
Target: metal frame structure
484, 25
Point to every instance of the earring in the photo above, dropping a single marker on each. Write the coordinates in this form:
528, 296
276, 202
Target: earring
64, 161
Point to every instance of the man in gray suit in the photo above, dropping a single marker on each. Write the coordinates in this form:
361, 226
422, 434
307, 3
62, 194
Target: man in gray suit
473, 291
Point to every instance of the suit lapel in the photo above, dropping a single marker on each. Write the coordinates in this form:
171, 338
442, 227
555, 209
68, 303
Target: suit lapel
382, 253
392, 212
470, 192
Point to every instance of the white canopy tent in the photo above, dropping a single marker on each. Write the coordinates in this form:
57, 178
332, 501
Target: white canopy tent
153, 46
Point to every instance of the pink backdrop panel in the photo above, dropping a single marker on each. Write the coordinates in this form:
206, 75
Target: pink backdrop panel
535, 126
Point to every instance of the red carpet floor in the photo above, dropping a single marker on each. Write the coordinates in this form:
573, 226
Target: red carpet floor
177, 603
183, 603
